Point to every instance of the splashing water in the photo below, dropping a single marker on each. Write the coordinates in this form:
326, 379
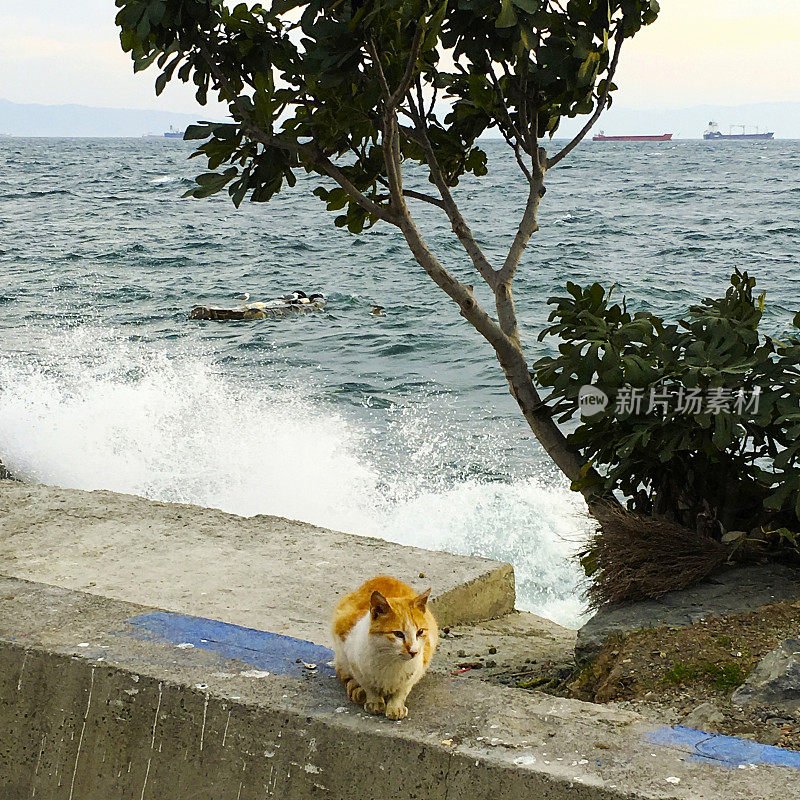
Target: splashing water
97, 411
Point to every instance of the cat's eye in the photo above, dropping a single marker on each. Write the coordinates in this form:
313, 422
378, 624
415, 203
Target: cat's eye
421, 632
399, 634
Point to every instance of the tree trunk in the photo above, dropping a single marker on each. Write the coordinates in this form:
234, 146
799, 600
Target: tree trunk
540, 420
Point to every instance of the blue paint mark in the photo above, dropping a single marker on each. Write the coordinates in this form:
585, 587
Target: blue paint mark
729, 751
267, 651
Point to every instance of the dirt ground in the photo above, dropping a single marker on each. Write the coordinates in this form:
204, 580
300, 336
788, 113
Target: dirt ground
677, 669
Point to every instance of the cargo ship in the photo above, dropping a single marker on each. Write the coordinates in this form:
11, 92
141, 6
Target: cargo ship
713, 132
173, 134
661, 137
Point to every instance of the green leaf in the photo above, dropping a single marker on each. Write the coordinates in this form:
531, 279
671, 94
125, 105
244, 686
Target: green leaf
202, 131
144, 62
733, 536
588, 68
161, 82
507, 17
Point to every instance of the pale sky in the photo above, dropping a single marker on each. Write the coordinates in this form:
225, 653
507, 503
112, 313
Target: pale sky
724, 52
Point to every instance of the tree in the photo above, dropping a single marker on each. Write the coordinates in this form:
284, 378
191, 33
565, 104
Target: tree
348, 91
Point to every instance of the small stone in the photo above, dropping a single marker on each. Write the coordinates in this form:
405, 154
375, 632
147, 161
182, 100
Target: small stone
491, 663
705, 716
492, 650
422, 574
461, 654
446, 629
776, 679
255, 673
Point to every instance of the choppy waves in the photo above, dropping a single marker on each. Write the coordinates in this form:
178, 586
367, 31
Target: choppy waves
399, 427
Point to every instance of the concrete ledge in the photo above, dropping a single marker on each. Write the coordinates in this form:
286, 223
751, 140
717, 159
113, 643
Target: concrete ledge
263, 572
92, 708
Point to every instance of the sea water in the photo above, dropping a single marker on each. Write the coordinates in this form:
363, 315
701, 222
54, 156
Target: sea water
400, 426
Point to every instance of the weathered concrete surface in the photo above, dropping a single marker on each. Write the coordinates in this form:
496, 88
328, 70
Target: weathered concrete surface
736, 591
775, 682
263, 572
88, 711
497, 648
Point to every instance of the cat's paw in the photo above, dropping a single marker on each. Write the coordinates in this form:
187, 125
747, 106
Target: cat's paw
375, 706
395, 711
356, 693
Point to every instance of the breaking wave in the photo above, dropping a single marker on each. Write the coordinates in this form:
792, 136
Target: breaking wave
96, 410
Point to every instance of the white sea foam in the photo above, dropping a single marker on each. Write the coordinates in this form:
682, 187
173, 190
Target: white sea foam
96, 411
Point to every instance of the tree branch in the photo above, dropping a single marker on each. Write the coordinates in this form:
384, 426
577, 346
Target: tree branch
387, 93
503, 295
408, 76
519, 140
462, 294
426, 198
601, 104
457, 221
414, 195
527, 227
509, 354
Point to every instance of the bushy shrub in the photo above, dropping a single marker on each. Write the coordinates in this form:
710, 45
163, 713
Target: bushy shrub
702, 426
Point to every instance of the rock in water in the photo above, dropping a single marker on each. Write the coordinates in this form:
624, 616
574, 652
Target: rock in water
281, 307
776, 679
216, 312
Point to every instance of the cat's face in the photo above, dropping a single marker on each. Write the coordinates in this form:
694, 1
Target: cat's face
400, 626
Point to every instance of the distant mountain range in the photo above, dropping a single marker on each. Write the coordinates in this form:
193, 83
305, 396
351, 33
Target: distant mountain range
30, 119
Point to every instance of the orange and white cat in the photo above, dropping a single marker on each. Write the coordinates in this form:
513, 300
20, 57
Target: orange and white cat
384, 636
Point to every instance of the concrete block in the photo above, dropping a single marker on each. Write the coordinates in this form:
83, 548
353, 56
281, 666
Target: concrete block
262, 572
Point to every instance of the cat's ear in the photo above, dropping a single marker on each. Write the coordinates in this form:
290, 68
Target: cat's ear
378, 605
421, 600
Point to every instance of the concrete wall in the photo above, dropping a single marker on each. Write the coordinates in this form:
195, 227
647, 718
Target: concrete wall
98, 703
